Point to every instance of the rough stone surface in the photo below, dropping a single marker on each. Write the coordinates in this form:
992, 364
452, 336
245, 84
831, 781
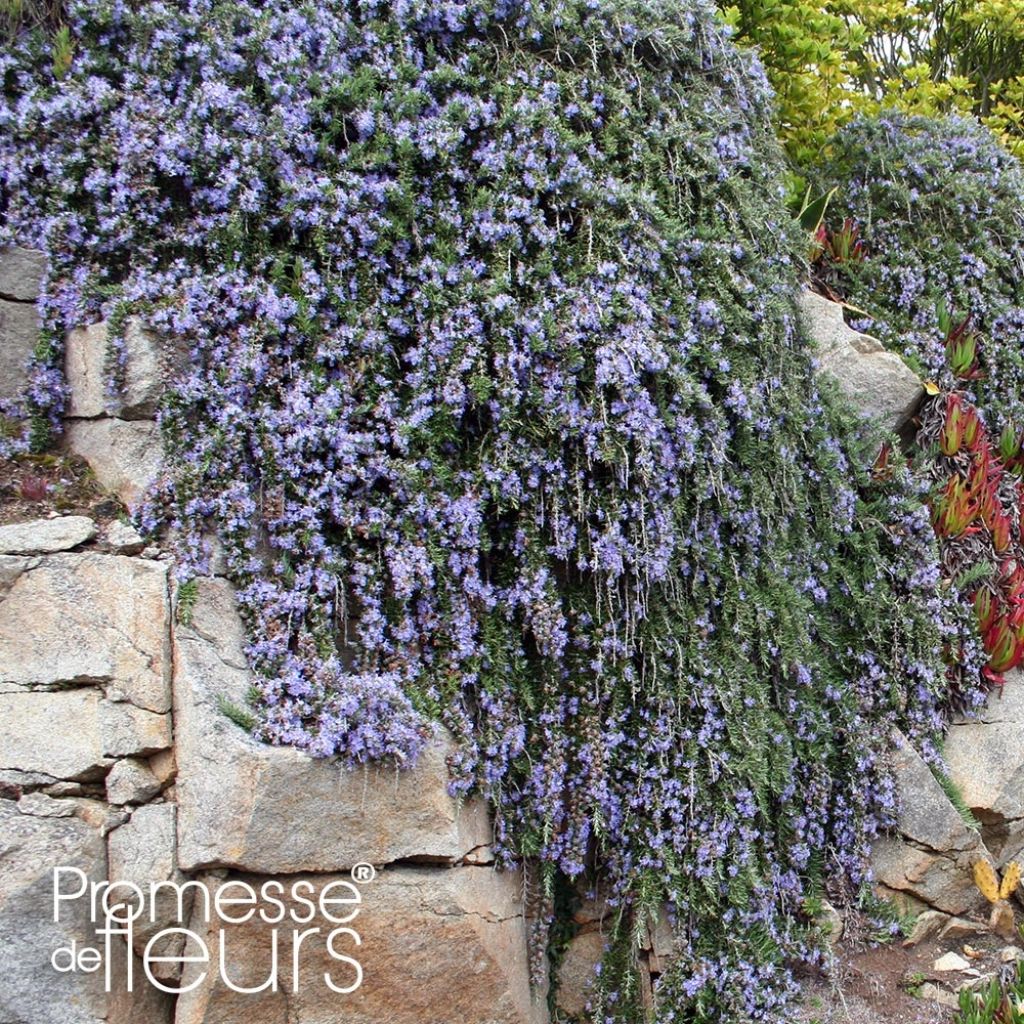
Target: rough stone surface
584, 952
218, 565
99, 815
931, 857
127, 730
986, 763
85, 368
125, 455
12, 779
30, 848
933, 879
436, 945
149, 362
42, 806
46, 535
163, 766
660, 942
576, 972
54, 733
77, 619
21, 273
66, 788
876, 382
927, 925
31, 991
951, 962
122, 538
11, 567
19, 333
275, 810
926, 815
131, 781
143, 852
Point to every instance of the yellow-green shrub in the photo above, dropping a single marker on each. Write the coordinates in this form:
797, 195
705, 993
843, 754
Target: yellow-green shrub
831, 61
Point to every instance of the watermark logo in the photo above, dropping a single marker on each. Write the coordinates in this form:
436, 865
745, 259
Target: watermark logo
363, 873
298, 916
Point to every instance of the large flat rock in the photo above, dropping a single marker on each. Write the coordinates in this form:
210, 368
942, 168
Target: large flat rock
931, 854
876, 382
274, 810
926, 815
56, 734
19, 334
125, 455
434, 945
89, 619
986, 763
45, 536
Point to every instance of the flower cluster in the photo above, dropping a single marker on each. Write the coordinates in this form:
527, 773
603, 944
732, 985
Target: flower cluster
498, 407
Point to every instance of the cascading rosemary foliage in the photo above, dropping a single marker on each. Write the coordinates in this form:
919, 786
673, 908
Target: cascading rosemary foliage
498, 405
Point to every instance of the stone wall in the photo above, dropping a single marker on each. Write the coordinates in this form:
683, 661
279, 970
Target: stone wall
116, 756
121, 761
119, 758
927, 863
21, 272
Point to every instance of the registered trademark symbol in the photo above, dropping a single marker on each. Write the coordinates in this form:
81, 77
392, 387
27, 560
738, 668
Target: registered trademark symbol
364, 873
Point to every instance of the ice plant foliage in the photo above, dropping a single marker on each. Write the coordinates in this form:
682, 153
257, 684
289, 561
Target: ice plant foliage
977, 506
499, 409
1001, 1002
838, 245
941, 206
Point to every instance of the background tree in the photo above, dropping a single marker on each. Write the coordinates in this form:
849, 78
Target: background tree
829, 62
